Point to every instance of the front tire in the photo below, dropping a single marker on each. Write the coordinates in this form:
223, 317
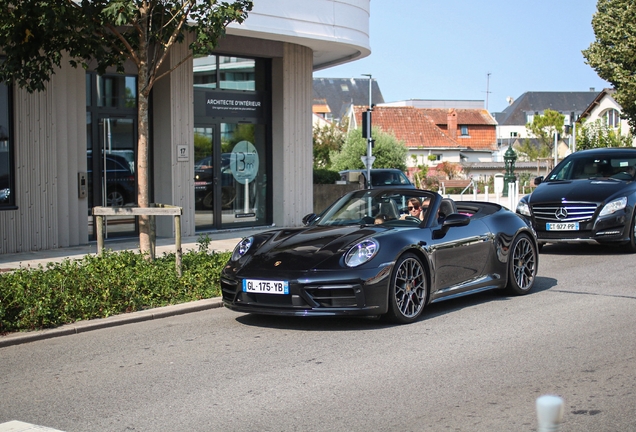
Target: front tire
522, 265
630, 247
408, 290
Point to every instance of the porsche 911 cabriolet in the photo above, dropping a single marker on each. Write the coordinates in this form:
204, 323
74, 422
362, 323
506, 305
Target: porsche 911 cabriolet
589, 197
373, 253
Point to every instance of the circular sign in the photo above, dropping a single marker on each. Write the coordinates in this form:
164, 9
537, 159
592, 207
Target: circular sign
244, 162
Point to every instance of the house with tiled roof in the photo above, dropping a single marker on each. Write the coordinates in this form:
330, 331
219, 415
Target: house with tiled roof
512, 120
436, 135
605, 110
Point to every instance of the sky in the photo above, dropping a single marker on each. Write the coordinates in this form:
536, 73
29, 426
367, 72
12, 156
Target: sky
485, 50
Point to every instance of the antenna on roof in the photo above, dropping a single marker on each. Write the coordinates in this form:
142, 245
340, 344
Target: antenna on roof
487, 88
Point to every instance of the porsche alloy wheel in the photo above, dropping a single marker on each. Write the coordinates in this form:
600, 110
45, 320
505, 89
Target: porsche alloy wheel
408, 290
522, 265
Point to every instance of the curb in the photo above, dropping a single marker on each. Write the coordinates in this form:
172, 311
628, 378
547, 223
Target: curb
100, 323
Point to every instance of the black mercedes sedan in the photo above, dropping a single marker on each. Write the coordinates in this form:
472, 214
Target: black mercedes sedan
588, 197
381, 252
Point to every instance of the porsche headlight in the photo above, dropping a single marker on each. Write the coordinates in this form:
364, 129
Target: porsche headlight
614, 206
242, 247
361, 253
523, 208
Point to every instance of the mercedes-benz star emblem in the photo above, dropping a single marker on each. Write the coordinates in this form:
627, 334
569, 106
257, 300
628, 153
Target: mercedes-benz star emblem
561, 213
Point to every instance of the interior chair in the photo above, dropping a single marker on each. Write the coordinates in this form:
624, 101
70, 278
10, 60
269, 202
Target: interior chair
389, 208
447, 207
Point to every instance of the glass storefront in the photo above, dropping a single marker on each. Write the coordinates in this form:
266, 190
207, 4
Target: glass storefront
231, 139
111, 138
7, 191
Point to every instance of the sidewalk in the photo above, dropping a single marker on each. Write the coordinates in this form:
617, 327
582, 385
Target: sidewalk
221, 242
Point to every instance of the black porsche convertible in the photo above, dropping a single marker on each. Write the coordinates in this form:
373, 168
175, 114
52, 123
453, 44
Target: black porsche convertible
367, 254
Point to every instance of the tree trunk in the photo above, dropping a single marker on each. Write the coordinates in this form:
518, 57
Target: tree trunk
143, 183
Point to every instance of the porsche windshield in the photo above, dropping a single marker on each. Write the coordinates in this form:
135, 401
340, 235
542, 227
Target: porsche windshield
614, 167
372, 206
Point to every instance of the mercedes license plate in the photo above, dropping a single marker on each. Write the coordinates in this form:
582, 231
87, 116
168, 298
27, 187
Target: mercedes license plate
265, 286
563, 226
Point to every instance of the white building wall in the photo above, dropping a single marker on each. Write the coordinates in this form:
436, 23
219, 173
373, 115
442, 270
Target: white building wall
608, 103
50, 149
292, 147
337, 31
173, 125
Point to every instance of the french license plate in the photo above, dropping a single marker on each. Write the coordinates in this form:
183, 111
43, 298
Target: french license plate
563, 226
265, 286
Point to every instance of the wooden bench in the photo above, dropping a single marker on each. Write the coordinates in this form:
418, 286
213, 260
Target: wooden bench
459, 183
155, 209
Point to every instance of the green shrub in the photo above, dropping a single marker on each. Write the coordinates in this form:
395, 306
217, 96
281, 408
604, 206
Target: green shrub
325, 176
101, 286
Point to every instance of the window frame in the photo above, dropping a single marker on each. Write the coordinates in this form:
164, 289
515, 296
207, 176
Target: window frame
611, 114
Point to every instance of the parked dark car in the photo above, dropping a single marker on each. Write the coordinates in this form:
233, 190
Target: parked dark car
344, 262
380, 177
204, 182
120, 180
589, 197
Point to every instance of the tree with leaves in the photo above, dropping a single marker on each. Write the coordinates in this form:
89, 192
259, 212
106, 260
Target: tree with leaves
327, 139
529, 151
544, 127
388, 151
35, 34
452, 170
599, 134
611, 55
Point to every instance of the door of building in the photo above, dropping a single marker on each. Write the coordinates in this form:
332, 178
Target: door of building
229, 175
112, 181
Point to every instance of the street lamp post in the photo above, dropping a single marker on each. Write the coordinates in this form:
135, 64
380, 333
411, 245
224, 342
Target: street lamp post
366, 132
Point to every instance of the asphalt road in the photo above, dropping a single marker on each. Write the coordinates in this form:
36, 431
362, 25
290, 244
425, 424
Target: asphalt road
472, 364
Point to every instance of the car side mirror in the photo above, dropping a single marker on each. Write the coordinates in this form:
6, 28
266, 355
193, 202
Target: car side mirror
452, 220
308, 219
538, 180
455, 220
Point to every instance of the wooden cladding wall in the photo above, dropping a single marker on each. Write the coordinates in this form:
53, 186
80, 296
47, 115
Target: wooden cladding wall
293, 150
50, 148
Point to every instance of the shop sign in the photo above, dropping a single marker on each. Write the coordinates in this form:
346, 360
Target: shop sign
230, 104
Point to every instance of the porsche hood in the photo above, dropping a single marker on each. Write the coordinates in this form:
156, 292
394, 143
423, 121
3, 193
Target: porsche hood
299, 249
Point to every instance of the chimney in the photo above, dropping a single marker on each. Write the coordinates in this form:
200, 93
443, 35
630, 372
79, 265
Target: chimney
451, 123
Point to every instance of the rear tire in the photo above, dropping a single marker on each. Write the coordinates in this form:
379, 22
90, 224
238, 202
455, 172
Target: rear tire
408, 290
522, 265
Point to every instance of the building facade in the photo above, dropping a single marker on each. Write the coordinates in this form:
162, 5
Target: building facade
231, 133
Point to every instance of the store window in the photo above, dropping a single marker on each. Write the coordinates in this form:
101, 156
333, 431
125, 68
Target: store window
7, 176
232, 142
111, 149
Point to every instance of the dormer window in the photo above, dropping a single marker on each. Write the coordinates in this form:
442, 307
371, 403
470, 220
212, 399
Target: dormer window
612, 118
464, 131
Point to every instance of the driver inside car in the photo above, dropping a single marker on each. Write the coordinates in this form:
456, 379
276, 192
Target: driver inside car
415, 209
